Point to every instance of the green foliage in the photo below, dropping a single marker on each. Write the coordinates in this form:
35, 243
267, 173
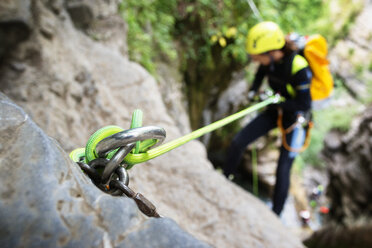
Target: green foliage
156, 25
151, 24
213, 25
293, 15
359, 68
351, 52
218, 19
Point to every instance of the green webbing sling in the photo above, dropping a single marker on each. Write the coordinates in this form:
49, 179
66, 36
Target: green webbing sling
298, 64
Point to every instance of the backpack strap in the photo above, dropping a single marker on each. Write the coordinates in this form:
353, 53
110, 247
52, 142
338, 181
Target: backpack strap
297, 63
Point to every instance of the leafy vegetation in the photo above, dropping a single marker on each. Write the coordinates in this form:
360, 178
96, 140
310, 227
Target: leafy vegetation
207, 38
153, 31
150, 27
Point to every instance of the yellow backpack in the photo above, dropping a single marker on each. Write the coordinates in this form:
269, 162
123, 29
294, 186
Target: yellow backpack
315, 52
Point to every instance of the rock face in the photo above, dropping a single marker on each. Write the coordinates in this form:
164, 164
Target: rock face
348, 155
350, 175
16, 16
46, 200
72, 83
351, 58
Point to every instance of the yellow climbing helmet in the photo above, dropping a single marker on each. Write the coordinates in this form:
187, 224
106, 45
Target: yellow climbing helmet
264, 37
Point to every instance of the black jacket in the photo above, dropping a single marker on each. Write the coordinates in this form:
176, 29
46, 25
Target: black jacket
295, 88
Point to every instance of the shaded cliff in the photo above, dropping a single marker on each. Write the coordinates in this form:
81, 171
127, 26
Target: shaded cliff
46, 200
350, 174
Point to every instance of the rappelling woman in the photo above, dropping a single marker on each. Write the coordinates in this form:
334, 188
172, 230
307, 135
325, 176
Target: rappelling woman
289, 75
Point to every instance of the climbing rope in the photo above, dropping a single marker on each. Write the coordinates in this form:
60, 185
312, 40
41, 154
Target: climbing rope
255, 11
254, 171
111, 151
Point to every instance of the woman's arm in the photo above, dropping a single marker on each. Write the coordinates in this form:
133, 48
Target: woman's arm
301, 84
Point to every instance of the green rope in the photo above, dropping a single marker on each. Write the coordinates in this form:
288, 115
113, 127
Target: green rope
133, 158
254, 171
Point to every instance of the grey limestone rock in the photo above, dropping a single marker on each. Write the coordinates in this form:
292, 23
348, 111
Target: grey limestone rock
47, 201
71, 85
15, 24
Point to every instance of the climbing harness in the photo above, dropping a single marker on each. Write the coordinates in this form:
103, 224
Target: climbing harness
111, 151
301, 123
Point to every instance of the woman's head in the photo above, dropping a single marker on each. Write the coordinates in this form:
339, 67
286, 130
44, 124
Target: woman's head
264, 42
264, 37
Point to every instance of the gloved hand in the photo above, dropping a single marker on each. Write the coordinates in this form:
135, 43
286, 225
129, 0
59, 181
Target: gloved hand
252, 95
